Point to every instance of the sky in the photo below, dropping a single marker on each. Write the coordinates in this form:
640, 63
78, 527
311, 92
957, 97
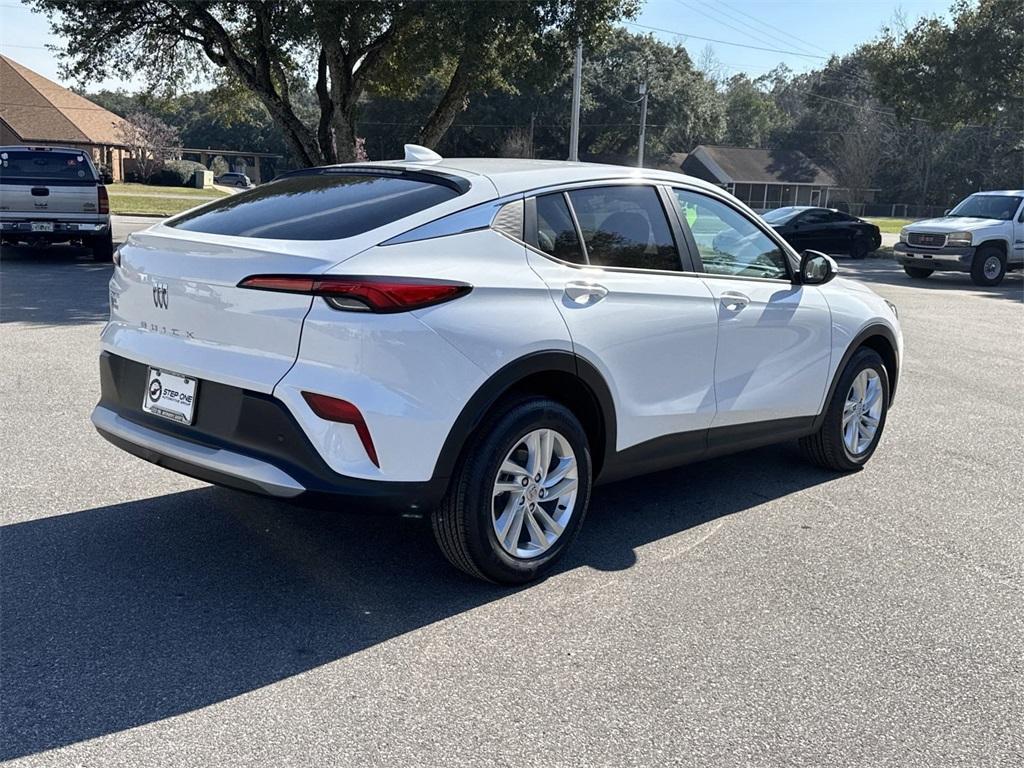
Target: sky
802, 32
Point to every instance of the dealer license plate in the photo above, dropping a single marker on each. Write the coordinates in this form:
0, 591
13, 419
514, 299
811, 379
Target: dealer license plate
170, 395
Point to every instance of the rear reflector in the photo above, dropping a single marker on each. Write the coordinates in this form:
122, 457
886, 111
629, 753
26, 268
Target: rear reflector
102, 200
343, 412
364, 294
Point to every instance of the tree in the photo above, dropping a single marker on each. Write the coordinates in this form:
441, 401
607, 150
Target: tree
751, 115
338, 51
150, 140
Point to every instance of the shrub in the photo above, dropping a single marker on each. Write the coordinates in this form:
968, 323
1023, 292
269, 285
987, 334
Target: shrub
219, 166
176, 173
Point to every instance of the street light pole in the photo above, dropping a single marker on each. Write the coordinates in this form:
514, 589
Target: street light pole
643, 123
574, 130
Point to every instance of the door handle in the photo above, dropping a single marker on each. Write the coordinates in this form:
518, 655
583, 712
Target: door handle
585, 293
733, 301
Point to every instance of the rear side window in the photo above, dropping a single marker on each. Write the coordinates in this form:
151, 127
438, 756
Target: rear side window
322, 206
625, 227
40, 165
556, 234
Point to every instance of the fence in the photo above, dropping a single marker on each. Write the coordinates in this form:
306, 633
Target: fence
897, 210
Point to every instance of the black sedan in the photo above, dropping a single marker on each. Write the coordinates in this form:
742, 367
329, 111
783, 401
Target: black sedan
824, 229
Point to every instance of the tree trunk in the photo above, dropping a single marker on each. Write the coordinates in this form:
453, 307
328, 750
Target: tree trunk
324, 134
450, 105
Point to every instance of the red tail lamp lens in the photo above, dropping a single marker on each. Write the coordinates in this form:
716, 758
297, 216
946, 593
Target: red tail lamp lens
102, 199
343, 412
364, 294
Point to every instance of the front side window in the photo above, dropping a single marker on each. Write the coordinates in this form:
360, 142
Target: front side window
556, 233
728, 242
625, 227
317, 206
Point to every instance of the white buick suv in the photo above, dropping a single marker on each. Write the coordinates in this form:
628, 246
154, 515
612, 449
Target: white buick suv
482, 341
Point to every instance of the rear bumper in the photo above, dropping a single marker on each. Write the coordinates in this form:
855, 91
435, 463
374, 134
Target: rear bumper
243, 440
63, 229
946, 259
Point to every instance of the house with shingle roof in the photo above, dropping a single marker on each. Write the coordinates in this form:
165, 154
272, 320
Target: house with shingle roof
762, 178
37, 111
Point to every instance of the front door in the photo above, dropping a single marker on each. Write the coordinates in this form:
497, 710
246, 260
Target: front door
613, 267
774, 337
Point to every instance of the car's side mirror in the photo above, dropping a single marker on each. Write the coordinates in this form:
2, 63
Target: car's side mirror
948, 211
817, 268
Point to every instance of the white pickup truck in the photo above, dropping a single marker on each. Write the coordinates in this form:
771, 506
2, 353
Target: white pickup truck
983, 235
53, 195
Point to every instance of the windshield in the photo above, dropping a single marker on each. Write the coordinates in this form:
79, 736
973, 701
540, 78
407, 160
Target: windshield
782, 215
44, 164
988, 207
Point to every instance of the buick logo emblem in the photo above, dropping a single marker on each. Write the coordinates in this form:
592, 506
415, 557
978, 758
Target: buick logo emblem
160, 295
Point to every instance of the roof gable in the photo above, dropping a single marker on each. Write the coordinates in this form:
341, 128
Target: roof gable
38, 109
762, 166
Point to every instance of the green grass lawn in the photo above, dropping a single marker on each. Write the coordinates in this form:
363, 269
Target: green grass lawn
149, 189
151, 200
892, 226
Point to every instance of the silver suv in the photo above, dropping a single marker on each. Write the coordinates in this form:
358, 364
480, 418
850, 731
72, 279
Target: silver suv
53, 195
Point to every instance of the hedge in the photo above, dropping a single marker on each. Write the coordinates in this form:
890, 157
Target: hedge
176, 173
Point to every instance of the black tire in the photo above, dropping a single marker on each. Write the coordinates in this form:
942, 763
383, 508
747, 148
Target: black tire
826, 447
988, 254
102, 247
463, 523
859, 248
918, 273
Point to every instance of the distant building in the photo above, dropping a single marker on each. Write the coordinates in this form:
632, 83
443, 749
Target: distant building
762, 178
34, 110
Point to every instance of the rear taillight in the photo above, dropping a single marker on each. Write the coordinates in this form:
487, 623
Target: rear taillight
343, 412
364, 294
102, 200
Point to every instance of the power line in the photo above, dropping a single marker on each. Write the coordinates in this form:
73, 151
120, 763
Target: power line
722, 42
790, 35
710, 9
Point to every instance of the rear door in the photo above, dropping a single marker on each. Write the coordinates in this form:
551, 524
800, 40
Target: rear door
609, 256
774, 337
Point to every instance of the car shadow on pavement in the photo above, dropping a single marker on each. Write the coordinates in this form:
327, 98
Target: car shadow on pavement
131, 613
891, 273
59, 285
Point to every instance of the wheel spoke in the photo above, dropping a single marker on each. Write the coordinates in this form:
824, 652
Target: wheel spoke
547, 447
869, 421
560, 471
850, 436
507, 486
537, 536
512, 468
532, 442
514, 528
848, 414
561, 488
548, 521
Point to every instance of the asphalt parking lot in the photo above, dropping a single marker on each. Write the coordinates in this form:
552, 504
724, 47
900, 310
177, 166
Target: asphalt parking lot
745, 611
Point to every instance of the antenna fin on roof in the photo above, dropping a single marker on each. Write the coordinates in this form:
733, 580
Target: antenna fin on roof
416, 153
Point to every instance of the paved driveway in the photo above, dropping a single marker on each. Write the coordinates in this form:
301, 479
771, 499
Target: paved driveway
745, 611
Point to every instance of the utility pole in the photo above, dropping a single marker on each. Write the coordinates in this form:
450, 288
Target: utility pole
577, 77
643, 123
533, 118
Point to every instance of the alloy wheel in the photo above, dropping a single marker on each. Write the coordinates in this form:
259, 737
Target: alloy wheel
992, 267
862, 411
534, 493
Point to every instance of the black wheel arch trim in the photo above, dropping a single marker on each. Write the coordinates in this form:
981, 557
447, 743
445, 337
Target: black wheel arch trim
875, 330
505, 379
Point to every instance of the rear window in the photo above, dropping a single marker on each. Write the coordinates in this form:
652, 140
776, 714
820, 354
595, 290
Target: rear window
40, 164
318, 206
